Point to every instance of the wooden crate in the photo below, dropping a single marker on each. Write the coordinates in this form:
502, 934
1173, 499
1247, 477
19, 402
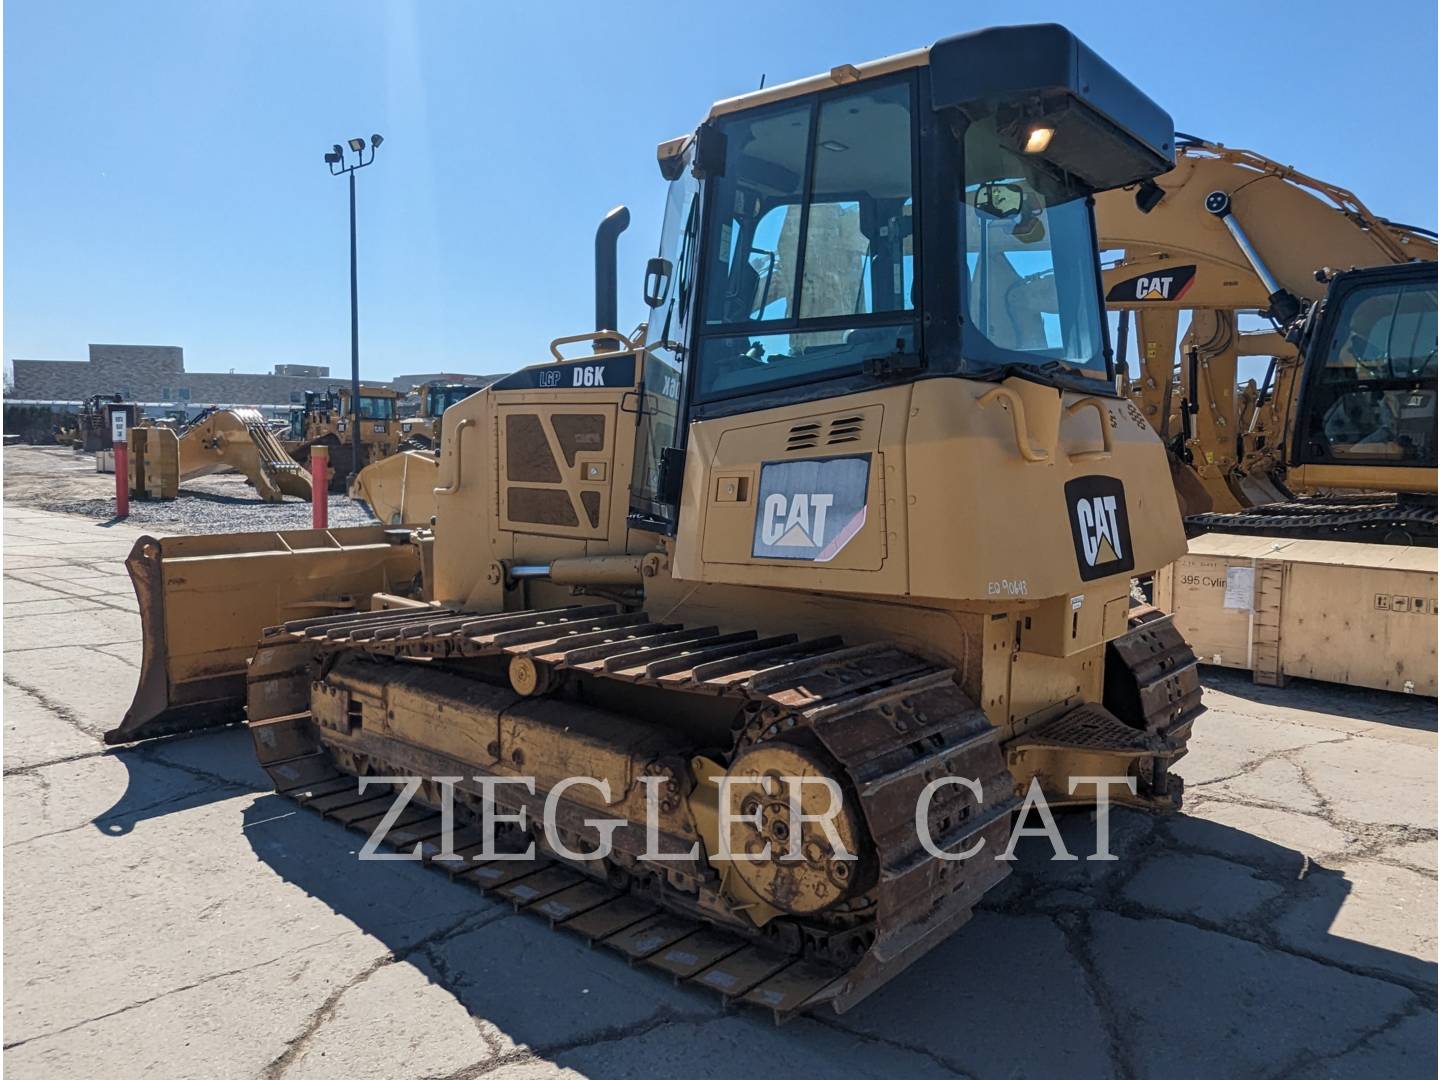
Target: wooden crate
1358, 614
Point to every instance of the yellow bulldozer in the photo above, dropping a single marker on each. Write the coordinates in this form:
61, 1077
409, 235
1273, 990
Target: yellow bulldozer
422, 431
1345, 414
774, 611
400, 489
325, 418
217, 440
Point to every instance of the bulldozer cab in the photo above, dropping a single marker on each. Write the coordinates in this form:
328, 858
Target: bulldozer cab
328, 412
376, 412
438, 397
1367, 414
877, 227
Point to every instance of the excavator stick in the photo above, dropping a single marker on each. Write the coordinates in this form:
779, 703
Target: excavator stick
204, 601
222, 439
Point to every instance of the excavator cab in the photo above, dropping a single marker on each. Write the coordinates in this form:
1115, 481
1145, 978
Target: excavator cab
1366, 416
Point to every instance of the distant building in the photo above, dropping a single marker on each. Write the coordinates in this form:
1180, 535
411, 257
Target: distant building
406, 383
156, 374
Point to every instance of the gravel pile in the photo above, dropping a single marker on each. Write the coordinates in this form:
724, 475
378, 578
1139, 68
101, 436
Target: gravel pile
54, 478
201, 512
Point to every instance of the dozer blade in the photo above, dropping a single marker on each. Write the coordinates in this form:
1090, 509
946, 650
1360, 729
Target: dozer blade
205, 599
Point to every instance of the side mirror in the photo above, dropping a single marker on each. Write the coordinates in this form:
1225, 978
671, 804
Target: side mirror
657, 281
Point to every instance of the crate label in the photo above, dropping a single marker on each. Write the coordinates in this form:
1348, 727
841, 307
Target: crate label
1240, 588
1406, 605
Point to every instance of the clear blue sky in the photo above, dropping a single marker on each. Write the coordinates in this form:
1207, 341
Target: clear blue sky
164, 181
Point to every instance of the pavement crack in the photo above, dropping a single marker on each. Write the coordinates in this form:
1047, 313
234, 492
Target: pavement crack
1369, 840
1077, 929
27, 770
662, 1017
165, 994
834, 1024
151, 753
1307, 1059
59, 710
320, 1016
1262, 760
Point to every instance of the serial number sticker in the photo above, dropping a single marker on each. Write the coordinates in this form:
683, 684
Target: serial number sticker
1006, 587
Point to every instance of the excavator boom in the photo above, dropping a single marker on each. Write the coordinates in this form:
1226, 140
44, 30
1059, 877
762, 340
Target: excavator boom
1229, 232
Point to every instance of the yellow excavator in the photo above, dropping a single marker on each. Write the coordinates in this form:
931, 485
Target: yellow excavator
858, 508
1346, 411
217, 440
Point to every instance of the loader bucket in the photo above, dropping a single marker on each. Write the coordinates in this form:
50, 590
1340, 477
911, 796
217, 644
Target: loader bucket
399, 489
204, 601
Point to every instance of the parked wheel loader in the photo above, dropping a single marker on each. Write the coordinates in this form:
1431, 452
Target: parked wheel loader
860, 504
1338, 442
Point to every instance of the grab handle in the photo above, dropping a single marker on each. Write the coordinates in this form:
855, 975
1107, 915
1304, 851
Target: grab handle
1017, 417
593, 335
454, 485
1105, 437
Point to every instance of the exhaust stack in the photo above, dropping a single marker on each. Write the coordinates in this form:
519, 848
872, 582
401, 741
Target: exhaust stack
607, 237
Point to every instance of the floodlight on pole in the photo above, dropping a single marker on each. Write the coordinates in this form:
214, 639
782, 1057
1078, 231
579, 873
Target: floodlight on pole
336, 160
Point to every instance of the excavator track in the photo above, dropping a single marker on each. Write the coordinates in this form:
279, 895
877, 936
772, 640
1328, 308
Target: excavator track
892, 720
1365, 519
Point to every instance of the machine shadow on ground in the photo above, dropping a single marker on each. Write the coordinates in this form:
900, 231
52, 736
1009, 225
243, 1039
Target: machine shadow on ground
1196, 905
1193, 913
181, 773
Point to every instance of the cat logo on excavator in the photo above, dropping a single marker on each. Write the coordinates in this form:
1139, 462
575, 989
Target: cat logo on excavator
1170, 286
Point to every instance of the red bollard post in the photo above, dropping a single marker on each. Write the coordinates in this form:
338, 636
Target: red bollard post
122, 479
319, 487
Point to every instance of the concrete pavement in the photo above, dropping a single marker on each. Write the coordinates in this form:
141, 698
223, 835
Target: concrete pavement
165, 916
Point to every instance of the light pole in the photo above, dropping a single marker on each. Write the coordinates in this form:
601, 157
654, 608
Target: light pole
336, 160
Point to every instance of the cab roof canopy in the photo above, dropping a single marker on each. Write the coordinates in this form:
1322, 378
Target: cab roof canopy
1107, 132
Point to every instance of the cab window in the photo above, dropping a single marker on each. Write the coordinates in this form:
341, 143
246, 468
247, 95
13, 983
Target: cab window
812, 228
377, 408
1373, 401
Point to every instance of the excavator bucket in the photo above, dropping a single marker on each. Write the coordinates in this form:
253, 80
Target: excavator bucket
204, 601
